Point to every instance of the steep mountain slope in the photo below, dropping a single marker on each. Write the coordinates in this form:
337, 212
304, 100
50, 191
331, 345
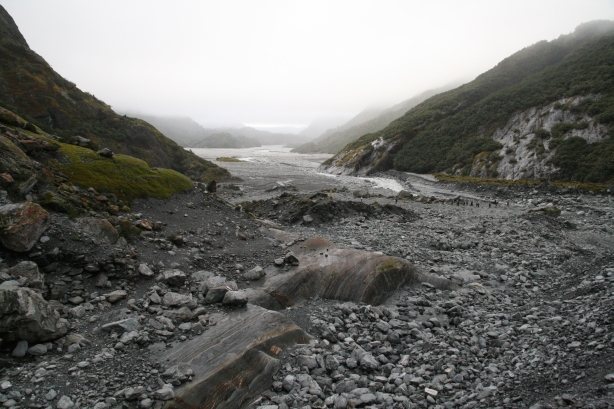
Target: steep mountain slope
227, 141
366, 122
32, 89
466, 130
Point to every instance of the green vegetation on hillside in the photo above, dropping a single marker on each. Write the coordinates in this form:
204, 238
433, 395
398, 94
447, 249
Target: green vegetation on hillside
446, 131
124, 176
33, 90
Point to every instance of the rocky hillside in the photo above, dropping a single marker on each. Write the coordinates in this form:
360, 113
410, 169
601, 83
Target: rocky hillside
368, 121
32, 89
544, 112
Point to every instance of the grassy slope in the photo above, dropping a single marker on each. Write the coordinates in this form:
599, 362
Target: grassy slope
124, 176
31, 88
450, 128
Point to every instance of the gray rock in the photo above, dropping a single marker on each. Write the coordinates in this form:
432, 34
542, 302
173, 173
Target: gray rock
51, 395
116, 296
29, 271
173, 277
216, 294
144, 270
25, 315
105, 153
238, 369
369, 362
235, 298
65, 403
255, 273
21, 225
307, 219
21, 349
212, 282
38, 349
172, 299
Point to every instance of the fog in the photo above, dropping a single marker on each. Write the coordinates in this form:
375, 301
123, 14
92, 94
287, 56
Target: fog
281, 64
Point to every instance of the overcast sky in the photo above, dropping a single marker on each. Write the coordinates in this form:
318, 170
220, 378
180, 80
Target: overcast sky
282, 62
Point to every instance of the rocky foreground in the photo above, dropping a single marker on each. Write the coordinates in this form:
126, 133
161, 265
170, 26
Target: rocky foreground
301, 300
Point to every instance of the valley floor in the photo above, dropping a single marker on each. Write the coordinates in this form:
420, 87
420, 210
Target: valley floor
531, 325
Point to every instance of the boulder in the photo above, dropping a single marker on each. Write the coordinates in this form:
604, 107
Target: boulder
29, 271
333, 272
230, 373
22, 224
25, 315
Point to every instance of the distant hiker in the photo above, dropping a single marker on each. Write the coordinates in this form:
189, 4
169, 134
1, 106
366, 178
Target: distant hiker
477, 204
508, 203
489, 205
471, 204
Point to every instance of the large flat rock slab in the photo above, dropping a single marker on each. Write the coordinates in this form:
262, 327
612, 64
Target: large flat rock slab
345, 274
233, 361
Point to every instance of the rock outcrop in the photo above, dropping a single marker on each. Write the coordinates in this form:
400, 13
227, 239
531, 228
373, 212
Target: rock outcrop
233, 361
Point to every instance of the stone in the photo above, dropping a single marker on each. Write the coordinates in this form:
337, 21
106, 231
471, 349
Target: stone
38, 349
368, 362
105, 153
216, 294
307, 219
116, 296
235, 298
144, 270
255, 273
20, 350
51, 394
211, 282
291, 259
25, 315
236, 370
29, 271
172, 299
65, 403
22, 224
173, 277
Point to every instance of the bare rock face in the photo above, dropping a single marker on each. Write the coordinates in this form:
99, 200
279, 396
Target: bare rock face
25, 315
21, 225
338, 273
232, 362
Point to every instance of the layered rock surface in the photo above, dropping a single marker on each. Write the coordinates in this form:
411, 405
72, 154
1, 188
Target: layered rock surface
232, 361
333, 272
